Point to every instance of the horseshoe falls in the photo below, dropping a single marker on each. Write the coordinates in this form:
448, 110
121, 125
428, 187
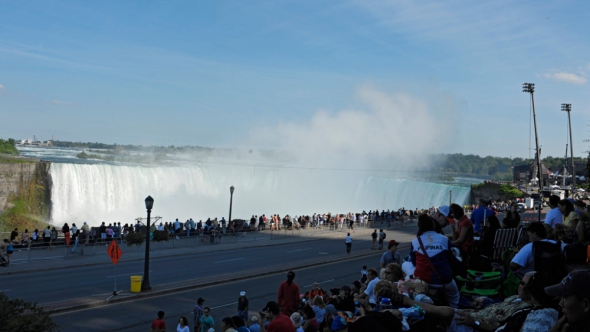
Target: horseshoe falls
116, 193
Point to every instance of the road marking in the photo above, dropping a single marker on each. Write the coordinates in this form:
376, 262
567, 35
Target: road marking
127, 274
6, 290
300, 250
322, 253
228, 260
321, 282
225, 305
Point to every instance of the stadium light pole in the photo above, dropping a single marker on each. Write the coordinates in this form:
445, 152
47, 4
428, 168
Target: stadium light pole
145, 283
231, 198
530, 88
568, 108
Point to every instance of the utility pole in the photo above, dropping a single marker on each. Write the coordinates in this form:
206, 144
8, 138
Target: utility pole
530, 88
568, 108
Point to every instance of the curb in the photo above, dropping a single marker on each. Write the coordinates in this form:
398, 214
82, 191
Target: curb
55, 308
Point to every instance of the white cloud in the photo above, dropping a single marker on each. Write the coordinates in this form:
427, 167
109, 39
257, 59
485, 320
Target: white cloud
566, 77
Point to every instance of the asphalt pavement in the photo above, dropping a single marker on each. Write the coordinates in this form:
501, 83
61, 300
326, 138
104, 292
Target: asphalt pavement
71, 281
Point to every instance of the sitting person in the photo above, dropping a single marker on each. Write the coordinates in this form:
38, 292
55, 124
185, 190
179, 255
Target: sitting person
574, 291
512, 217
523, 261
314, 291
538, 317
496, 313
485, 247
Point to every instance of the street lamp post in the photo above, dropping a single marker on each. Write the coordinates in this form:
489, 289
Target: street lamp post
530, 88
568, 108
450, 197
145, 283
231, 198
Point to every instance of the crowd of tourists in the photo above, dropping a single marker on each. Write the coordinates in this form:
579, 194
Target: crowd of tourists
542, 283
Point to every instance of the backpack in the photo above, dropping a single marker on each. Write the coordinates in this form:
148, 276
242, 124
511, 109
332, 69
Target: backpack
548, 258
383, 236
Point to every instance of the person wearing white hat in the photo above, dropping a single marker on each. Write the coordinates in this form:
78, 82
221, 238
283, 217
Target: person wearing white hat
243, 306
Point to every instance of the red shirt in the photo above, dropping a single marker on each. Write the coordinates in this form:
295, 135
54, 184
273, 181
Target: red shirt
466, 223
288, 297
281, 323
159, 324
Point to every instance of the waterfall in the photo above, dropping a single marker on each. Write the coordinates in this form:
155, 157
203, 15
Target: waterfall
114, 193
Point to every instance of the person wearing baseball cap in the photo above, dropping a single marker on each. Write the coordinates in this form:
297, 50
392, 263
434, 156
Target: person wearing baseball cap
574, 291
277, 322
391, 255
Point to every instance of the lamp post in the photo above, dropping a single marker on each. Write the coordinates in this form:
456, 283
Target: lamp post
568, 108
530, 88
231, 198
145, 283
450, 197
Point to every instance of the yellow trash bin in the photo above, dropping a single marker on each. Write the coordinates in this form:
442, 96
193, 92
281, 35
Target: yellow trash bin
136, 284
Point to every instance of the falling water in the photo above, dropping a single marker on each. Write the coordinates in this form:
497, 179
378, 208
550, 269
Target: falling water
115, 193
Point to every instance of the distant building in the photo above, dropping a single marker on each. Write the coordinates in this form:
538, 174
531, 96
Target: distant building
528, 173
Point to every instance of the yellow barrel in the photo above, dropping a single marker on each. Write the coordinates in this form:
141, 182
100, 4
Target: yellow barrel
136, 284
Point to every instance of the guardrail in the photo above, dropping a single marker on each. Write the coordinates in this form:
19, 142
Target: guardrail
42, 251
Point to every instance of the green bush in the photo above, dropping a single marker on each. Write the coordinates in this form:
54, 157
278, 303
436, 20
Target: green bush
160, 236
8, 147
20, 315
136, 238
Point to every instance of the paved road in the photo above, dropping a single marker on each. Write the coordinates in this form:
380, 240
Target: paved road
137, 315
74, 282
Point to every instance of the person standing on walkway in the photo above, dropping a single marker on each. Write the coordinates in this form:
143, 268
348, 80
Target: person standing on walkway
75, 237
177, 229
158, 324
243, 306
53, 238
85, 236
382, 236
103, 232
288, 296
66, 230
374, 239
348, 242
8, 249
206, 320
197, 313
183, 325
47, 236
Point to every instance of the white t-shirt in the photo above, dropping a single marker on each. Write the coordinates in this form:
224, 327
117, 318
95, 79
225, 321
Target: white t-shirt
553, 217
526, 259
370, 288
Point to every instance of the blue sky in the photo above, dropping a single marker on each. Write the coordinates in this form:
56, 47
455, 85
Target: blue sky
401, 76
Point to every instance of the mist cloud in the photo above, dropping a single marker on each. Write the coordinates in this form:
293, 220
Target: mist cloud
385, 128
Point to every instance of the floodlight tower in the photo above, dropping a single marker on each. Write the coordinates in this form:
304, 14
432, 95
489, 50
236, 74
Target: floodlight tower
530, 88
568, 108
